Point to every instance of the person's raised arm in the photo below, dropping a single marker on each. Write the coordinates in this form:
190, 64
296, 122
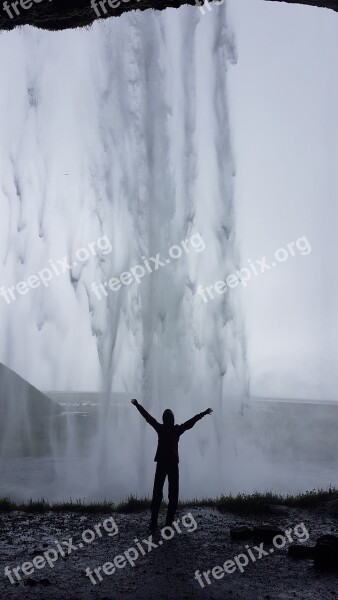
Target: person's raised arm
155, 424
189, 424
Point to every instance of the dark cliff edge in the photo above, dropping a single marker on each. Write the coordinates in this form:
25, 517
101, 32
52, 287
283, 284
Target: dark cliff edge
56, 15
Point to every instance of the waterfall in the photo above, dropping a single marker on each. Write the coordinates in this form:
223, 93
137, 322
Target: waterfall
117, 138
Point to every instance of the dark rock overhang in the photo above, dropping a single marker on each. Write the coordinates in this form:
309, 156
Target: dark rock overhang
68, 14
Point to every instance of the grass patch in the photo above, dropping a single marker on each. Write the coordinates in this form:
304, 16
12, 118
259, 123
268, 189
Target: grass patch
133, 504
240, 504
42, 506
261, 502
312, 498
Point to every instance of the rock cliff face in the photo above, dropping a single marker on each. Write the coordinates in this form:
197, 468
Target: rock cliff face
25, 416
67, 14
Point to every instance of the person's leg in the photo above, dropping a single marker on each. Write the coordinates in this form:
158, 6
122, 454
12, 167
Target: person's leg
173, 480
160, 475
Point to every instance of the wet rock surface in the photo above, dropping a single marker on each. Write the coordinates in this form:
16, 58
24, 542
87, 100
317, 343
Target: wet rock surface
326, 553
166, 571
301, 551
241, 533
266, 533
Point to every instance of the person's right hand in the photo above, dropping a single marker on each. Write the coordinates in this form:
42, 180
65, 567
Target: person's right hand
134, 401
209, 411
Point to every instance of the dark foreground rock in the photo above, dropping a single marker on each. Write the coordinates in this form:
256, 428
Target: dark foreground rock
266, 533
300, 551
326, 553
240, 533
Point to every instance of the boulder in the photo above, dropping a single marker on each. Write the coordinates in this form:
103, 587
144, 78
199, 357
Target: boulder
300, 551
326, 553
240, 533
266, 533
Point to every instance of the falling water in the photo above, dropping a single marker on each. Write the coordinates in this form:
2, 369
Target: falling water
121, 133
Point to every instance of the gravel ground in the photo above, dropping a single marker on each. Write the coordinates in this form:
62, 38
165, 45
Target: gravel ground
167, 571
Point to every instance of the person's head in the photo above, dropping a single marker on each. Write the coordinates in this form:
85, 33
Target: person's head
168, 417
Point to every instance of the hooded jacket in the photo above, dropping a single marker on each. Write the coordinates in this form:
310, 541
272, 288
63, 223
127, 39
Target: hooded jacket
168, 435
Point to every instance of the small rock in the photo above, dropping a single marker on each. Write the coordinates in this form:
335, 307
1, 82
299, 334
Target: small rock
240, 533
300, 551
326, 553
30, 581
266, 533
35, 551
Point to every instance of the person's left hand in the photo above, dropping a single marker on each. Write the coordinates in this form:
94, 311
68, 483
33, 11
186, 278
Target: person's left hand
134, 401
209, 411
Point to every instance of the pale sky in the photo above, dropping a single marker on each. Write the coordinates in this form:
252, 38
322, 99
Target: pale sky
284, 98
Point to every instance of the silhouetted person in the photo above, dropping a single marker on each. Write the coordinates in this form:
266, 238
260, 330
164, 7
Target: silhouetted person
167, 458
